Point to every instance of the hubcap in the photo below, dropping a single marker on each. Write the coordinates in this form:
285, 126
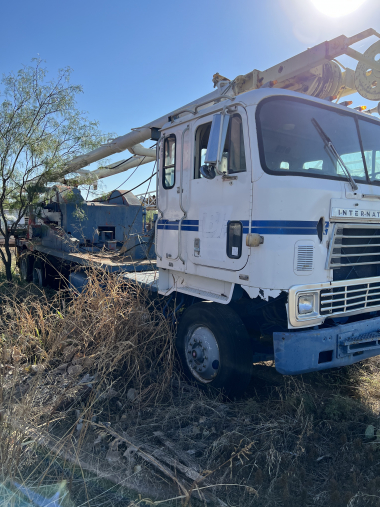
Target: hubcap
202, 354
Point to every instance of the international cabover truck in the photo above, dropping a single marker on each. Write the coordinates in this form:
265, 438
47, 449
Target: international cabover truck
267, 239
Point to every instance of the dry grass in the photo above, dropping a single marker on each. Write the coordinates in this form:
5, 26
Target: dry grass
60, 354
91, 397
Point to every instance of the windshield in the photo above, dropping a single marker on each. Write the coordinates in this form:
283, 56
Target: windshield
290, 144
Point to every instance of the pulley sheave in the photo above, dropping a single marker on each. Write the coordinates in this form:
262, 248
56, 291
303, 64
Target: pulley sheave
367, 80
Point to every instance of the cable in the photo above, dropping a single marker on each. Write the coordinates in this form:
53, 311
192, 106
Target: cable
125, 181
130, 176
134, 188
142, 202
128, 191
122, 162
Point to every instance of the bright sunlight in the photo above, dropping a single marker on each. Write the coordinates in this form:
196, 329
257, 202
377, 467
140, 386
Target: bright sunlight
337, 8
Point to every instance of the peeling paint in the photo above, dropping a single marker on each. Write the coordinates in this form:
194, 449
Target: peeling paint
254, 292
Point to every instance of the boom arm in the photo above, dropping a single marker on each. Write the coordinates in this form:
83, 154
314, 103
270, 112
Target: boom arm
131, 139
312, 72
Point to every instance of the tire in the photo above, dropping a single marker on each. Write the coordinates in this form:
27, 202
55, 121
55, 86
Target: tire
26, 267
215, 330
39, 273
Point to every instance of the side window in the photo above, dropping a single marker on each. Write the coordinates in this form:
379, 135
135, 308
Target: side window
234, 239
235, 149
233, 159
201, 139
373, 163
168, 169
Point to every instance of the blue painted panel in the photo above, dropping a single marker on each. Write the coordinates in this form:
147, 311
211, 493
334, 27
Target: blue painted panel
126, 220
298, 351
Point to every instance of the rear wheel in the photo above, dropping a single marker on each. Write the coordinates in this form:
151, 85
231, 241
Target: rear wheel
26, 267
215, 348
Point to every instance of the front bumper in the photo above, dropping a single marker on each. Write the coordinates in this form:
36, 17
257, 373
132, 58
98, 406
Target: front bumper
319, 349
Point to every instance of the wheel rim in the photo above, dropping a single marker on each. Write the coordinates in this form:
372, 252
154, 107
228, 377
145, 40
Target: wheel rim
202, 354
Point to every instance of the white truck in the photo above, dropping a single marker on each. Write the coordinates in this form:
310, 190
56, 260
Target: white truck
268, 229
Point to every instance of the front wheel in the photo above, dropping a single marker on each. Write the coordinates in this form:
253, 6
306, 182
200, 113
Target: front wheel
215, 348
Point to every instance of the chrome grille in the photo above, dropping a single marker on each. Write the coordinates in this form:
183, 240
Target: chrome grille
350, 298
354, 245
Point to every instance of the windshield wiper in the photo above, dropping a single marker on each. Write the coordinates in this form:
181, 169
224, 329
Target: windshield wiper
329, 145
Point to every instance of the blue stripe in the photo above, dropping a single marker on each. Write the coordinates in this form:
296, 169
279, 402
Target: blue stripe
168, 227
187, 222
189, 228
281, 227
190, 222
283, 223
172, 225
168, 222
280, 230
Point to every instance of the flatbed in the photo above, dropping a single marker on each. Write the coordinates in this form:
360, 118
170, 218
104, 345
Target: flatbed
110, 261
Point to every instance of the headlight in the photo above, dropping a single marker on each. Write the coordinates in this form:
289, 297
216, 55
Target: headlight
306, 303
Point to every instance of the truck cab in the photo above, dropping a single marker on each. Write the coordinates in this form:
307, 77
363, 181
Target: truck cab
279, 234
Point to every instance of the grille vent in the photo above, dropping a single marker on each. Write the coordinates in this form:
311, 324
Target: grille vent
350, 298
354, 251
304, 257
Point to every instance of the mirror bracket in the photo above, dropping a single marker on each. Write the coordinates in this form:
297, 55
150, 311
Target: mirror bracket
217, 139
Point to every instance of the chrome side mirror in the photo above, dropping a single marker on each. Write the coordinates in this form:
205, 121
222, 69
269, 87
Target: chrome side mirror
217, 139
208, 172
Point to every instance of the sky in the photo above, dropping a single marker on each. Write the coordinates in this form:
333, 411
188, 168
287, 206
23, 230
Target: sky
140, 60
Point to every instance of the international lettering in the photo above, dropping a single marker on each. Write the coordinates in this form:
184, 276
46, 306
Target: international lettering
341, 212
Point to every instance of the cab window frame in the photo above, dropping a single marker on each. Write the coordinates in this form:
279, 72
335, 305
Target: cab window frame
198, 146
348, 113
169, 166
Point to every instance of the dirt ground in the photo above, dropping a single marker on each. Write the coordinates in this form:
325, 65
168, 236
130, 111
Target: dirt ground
91, 395
290, 441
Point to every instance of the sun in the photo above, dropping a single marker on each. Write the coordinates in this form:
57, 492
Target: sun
337, 8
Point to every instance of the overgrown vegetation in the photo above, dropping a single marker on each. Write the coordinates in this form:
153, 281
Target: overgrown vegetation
41, 129
91, 397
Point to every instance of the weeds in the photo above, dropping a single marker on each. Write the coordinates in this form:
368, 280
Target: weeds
91, 398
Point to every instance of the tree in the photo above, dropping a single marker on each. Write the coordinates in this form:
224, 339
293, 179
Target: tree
41, 129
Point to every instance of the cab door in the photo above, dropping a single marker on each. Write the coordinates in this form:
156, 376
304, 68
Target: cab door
221, 207
174, 173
